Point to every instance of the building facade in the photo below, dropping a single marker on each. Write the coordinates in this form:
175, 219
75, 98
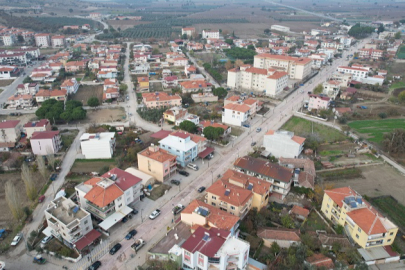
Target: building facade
283, 143
157, 162
182, 146
99, 145
45, 142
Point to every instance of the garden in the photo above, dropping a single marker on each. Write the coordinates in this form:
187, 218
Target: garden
374, 130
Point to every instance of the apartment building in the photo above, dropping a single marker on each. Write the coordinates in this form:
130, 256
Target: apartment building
45, 94
7, 72
160, 99
363, 224
195, 86
331, 88
357, 73
210, 34
253, 104
343, 79
43, 40
280, 177
189, 31
157, 162
297, 68
20, 101
10, 132
318, 60
8, 39
280, 28
27, 89
236, 114
204, 97
271, 81
214, 249
36, 126
97, 145
58, 41
175, 113
45, 142
70, 85
282, 143
143, 83
371, 54
318, 102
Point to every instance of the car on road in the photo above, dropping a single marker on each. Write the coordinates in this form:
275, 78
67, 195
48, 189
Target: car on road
53, 177
115, 248
96, 265
138, 244
16, 240
137, 140
175, 182
192, 166
184, 173
253, 144
258, 130
154, 214
131, 234
46, 239
246, 125
201, 189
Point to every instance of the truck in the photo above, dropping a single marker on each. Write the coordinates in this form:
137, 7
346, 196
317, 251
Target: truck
138, 244
177, 209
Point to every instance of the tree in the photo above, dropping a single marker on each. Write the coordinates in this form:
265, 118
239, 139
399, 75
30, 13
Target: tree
123, 88
397, 35
20, 38
30, 187
401, 96
318, 89
229, 41
238, 63
220, 92
228, 65
13, 201
213, 133
188, 126
251, 47
267, 31
70, 10
380, 28
93, 102
42, 167
287, 221
275, 248
184, 36
51, 159
394, 142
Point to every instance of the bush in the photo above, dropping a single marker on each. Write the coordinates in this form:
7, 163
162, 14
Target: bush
382, 115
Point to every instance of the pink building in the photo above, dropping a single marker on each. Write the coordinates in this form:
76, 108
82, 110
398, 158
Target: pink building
45, 142
160, 100
318, 102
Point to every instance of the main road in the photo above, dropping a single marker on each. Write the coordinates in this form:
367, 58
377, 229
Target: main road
153, 230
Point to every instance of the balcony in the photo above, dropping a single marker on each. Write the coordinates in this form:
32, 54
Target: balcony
376, 236
374, 243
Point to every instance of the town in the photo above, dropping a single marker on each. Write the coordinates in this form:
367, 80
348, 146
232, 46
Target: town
202, 135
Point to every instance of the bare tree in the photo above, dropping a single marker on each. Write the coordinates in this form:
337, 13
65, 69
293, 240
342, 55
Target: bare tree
42, 167
13, 201
29, 183
51, 158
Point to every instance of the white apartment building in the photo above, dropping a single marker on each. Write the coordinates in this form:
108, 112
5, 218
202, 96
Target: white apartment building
297, 68
271, 81
371, 54
235, 114
36, 126
318, 60
210, 34
10, 132
343, 79
70, 85
58, 41
67, 221
7, 72
20, 101
331, 88
280, 28
357, 73
99, 145
189, 31
332, 44
27, 89
43, 40
8, 39
214, 249
283, 143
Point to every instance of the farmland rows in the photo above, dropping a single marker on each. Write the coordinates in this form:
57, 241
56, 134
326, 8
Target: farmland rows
392, 208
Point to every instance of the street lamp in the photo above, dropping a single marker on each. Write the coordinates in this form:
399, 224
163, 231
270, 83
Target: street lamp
141, 215
212, 174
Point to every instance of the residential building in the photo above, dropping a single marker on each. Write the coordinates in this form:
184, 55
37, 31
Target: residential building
56, 66
111, 93
170, 82
190, 70
318, 102
343, 79
58, 41
331, 88
283, 237
299, 212
67, 221
175, 113
297, 68
11, 58
386, 34
157, 162
45, 142
70, 85
204, 97
27, 89
320, 261
36, 126
142, 68
280, 28
20, 101
253, 104
8, 72
109, 197
210, 34
8, 39
341, 111
189, 31
236, 114
75, 66
10, 133
280, 177
195, 86
214, 249
363, 224
43, 40
282, 143
160, 99
208, 123
318, 60
99, 145
371, 54
45, 94
199, 213
180, 62
304, 171
357, 73
143, 83
180, 144
271, 81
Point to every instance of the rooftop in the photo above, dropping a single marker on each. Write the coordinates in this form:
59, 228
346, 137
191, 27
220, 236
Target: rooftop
237, 107
296, 60
122, 179
205, 241
159, 96
248, 182
156, 153
298, 210
65, 210
195, 84
103, 191
320, 260
177, 236
230, 193
103, 136
279, 234
40, 135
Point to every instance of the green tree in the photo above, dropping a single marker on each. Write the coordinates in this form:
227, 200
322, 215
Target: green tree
20, 38
394, 141
229, 41
123, 88
380, 28
318, 89
275, 248
188, 126
184, 36
397, 35
70, 10
401, 96
287, 222
267, 31
213, 133
93, 102
220, 92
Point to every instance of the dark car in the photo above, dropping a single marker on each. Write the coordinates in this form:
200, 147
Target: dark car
131, 234
125, 219
53, 176
201, 189
134, 211
96, 265
253, 144
184, 173
175, 182
115, 248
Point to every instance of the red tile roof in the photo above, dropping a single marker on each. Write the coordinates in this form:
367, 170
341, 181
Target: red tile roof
161, 134
338, 194
237, 196
196, 243
237, 107
298, 139
279, 234
123, 179
40, 135
40, 123
255, 70
9, 124
320, 260
298, 210
367, 220
296, 60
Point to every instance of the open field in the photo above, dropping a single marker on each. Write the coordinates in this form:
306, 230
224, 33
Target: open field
303, 127
91, 165
88, 91
391, 207
374, 130
100, 116
125, 24
4, 83
314, 223
401, 52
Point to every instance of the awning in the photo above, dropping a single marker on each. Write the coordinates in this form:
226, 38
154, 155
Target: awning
206, 152
47, 231
265, 153
115, 218
87, 240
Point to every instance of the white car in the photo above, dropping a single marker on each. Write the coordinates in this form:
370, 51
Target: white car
154, 214
46, 239
16, 240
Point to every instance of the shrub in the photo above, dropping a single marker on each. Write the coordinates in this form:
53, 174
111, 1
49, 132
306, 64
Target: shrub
382, 115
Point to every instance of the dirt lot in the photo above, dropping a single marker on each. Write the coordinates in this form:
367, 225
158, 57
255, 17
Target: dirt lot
104, 115
4, 83
23, 118
378, 180
88, 91
88, 166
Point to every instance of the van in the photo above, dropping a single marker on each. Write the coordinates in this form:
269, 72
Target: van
192, 166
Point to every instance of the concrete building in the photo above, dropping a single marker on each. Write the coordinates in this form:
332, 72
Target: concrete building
20, 101
331, 88
363, 224
318, 102
70, 85
45, 142
157, 162
160, 100
45, 94
8, 39
357, 73
99, 145
180, 144
189, 31
204, 97
283, 143
58, 41
10, 132
236, 114
36, 126
8, 72
175, 113
43, 40
195, 86
210, 34
283, 237
280, 28
371, 54
297, 68
27, 89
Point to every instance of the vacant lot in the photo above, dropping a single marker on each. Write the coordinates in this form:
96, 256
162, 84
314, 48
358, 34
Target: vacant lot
303, 127
391, 207
4, 83
378, 180
374, 130
314, 223
91, 165
101, 116
88, 91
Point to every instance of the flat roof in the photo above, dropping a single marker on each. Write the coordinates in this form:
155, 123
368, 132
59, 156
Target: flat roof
115, 218
182, 231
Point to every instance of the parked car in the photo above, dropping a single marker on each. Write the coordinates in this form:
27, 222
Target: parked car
192, 166
253, 144
201, 189
184, 173
138, 244
177, 209
125, 219
134, 212
175, 182
53, 177
96, 265
46, 240
131, 234
41, 198
115, 248
16, 240
137, 140
154, 214
258, 130
246, 125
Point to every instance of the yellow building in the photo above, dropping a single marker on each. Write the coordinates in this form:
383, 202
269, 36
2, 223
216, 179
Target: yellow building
157, 162
364, 225
143, 83
174, 114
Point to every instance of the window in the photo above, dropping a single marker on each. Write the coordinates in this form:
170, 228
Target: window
233, 207
392, 233
359, 230
87, 228
85, 222
214, 204
389, 240
326, 211
328, 206
169, 147
120, 205
357, 236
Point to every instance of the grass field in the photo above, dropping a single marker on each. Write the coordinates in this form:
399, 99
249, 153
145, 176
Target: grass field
88, 91
91, 165
396, 85
314, 223
303, 127
374, 130
401, 53
391, 207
